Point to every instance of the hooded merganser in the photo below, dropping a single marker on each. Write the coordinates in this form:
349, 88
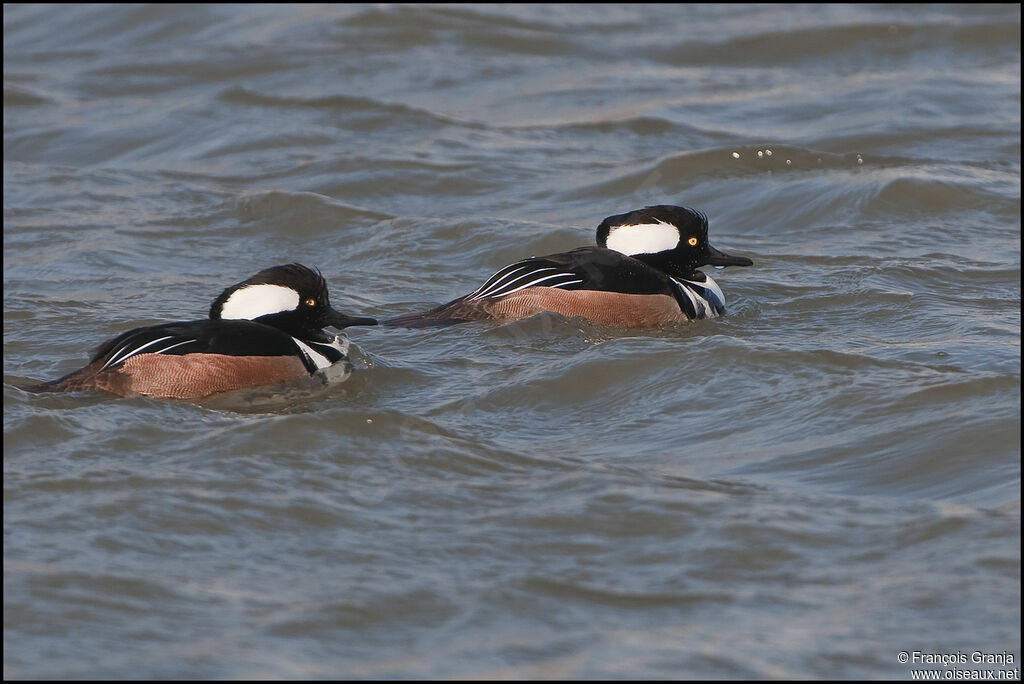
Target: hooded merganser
264, 330
642, 273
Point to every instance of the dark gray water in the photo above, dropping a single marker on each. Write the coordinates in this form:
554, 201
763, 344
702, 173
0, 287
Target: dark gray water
826, 477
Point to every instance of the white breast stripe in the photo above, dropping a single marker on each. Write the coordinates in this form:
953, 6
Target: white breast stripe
711, 285
710, 291
689, 295
318, 359
339, 343
334, 351
701, 306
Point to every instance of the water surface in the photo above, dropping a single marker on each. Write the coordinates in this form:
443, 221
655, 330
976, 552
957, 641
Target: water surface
824, 478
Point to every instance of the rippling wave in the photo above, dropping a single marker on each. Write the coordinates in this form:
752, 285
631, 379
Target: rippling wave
824, 477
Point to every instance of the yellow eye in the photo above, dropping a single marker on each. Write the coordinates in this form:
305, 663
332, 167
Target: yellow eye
692, 242
310, 302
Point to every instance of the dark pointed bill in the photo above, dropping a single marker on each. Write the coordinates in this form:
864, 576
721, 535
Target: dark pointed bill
339, 320
715, 258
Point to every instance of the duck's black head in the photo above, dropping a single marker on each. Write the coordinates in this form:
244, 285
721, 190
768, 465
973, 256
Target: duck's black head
291, 297
670, 238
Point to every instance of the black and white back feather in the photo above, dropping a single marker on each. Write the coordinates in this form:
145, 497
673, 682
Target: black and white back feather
532, 272
223, 337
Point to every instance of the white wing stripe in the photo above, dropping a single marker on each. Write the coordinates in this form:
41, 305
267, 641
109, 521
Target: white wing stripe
167, 349
111, 359
540, 280
118, 359
500, 285
497, 292
498, 278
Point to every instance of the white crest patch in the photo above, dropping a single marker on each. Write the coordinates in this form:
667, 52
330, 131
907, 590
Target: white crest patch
253, 301
643, 238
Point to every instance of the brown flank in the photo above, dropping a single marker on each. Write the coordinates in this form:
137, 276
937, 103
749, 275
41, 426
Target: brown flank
604, 308
187, 376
